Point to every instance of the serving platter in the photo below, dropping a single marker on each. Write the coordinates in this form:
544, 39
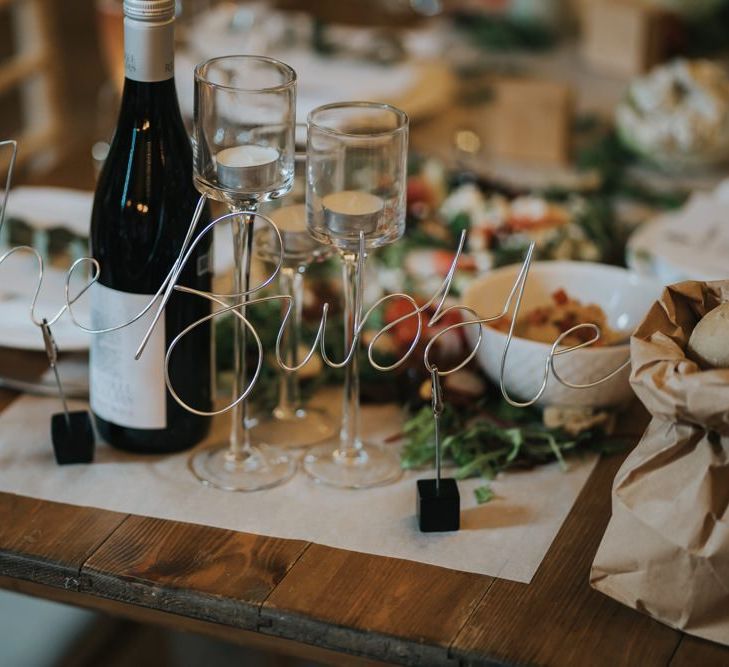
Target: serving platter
418, 81
689, 244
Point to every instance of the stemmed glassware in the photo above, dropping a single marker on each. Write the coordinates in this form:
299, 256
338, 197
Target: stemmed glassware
243, 142
291, 424
356, 181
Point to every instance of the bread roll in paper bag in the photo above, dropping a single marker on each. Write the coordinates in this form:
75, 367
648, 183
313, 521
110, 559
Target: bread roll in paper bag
666, 549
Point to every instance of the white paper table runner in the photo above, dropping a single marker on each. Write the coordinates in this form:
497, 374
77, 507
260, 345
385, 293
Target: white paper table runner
507, 537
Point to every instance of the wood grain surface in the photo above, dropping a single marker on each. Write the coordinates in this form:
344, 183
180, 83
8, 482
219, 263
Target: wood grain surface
558, 619
695, 652
6, 398
207, 573
312, 654
49, 542
388, 608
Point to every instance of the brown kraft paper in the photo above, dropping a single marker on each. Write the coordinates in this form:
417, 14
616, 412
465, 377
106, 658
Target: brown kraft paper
666, 548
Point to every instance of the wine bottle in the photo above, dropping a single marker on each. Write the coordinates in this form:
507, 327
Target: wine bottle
143, 205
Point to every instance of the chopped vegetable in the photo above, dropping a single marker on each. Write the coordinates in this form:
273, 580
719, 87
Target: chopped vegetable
492, 436
483, 494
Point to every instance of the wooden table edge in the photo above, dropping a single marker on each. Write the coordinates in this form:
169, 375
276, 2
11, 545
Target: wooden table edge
354, 641
343, 639
170, 620
116, 584
80, 581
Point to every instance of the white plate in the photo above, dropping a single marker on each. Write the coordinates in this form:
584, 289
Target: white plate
421, 84
420, 88
689, 244
46, 208
18, 331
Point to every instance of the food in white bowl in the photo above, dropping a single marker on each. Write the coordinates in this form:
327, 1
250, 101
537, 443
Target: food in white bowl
623, 296
547, 322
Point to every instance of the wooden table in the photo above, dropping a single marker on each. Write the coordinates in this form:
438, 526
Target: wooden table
335, 606
310, 600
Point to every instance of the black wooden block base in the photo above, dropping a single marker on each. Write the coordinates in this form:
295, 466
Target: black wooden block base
74, 445
438, 511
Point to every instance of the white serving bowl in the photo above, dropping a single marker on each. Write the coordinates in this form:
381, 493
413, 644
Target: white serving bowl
624, 296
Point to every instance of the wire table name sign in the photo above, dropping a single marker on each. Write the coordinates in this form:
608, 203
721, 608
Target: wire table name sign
244, 155
360, 318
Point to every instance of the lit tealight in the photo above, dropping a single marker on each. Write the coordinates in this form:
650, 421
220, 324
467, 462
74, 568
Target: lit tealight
291, 224
352, 211
290, 218
249, 168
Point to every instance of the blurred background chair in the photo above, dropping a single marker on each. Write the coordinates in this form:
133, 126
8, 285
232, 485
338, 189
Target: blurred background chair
50, 72
31, 84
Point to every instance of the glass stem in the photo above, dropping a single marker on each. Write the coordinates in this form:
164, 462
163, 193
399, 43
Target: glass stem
291, 282
240, 439
350, 441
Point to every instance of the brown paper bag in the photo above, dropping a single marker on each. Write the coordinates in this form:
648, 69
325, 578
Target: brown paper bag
666, 548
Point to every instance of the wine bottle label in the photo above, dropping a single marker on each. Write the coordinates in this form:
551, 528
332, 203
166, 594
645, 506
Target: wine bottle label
124, 391
149, 50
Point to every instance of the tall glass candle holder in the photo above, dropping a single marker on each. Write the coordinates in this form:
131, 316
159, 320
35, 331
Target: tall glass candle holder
243, 143
356, 182
292, 424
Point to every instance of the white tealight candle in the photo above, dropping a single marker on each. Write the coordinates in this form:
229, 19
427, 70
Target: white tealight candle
249, 167
352, 211
290, 219
291, 224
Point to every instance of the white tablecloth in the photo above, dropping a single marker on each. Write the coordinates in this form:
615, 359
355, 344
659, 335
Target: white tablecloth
507, 537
